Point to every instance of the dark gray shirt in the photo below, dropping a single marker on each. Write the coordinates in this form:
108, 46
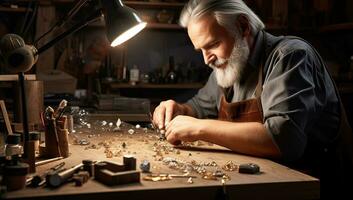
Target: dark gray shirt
299, 102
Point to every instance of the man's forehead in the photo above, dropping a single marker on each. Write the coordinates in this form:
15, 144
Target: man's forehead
201, 22
204, 29
201, 26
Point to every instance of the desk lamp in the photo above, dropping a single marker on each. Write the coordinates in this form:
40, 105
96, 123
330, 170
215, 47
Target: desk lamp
121, 23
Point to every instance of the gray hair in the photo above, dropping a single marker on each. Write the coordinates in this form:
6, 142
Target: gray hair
225, 12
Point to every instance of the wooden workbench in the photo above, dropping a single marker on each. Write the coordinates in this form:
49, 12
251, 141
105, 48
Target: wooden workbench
274, 182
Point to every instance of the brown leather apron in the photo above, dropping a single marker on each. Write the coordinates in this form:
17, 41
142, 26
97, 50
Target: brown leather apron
249, 110
332, 163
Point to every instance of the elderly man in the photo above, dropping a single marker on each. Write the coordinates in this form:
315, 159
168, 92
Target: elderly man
273, 96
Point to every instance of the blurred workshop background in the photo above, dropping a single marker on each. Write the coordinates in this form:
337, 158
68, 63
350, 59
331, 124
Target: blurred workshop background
159, 63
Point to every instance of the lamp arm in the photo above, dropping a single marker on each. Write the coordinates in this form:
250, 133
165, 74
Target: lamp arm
95, 16
73, 11
63, 20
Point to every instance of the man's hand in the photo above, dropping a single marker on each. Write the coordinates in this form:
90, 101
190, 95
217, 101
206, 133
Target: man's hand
183, 128
165, 112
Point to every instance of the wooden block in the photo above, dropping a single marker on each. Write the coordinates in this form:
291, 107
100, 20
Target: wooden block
14, 77
129, 162
51, 139
63, 142
110, 178
110, 173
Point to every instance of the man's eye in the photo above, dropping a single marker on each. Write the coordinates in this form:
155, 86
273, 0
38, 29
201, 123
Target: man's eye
214, 45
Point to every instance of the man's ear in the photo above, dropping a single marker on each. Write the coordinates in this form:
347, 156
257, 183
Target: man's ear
243, 23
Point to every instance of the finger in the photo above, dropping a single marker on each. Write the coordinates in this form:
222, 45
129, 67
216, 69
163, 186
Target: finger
168, 114
160, 115
168, 129
173, 138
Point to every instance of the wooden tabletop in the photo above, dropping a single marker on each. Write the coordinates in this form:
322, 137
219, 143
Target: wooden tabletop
275, 181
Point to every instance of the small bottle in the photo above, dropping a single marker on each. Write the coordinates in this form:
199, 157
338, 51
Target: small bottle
13, 148
35, 137
171, 74
134, 75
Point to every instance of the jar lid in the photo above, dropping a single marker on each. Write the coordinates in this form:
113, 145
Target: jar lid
13, 139
87, 162
16, 170
34, 136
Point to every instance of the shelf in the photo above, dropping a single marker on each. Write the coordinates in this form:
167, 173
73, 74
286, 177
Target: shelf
155, 86
143, 4
139, 4
149, 26
337, 27
14, 10
164, 26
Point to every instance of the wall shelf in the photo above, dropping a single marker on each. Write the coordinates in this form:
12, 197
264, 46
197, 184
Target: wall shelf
14, 10
156, 86
150, 25
164, 26
138, 4
337, 27
143, 4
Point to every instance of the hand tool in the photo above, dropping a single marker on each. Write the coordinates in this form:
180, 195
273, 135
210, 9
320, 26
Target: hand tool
43, 162
54, 179
39, 180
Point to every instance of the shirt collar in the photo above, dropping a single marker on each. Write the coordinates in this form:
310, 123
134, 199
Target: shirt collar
256, 53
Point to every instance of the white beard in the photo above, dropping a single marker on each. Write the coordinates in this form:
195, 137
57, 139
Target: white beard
234, 70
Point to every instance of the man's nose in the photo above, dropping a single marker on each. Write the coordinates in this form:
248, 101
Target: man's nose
208, 57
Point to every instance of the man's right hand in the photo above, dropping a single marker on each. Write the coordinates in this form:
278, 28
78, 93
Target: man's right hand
166, 111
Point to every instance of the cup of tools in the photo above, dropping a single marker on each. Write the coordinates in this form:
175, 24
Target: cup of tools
56, 132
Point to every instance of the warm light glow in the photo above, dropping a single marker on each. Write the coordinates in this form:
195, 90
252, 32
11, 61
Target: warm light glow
128, 34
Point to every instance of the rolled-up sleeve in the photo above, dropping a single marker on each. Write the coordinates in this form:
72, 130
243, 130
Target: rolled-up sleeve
204, 103
288, 100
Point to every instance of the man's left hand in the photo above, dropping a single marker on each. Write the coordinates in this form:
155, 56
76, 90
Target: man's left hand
183, 128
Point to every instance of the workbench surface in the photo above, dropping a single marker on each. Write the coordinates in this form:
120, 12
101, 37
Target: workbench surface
275, 181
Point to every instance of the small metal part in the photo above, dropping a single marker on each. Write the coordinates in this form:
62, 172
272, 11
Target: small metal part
166, 177
226, 177
157, 178
190, 181
88, 166
80, 178
209, 176
131, 131
83, 141
230, 166
129, 162
162, 134
186, 175
145, 166
218, 173
249, 168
